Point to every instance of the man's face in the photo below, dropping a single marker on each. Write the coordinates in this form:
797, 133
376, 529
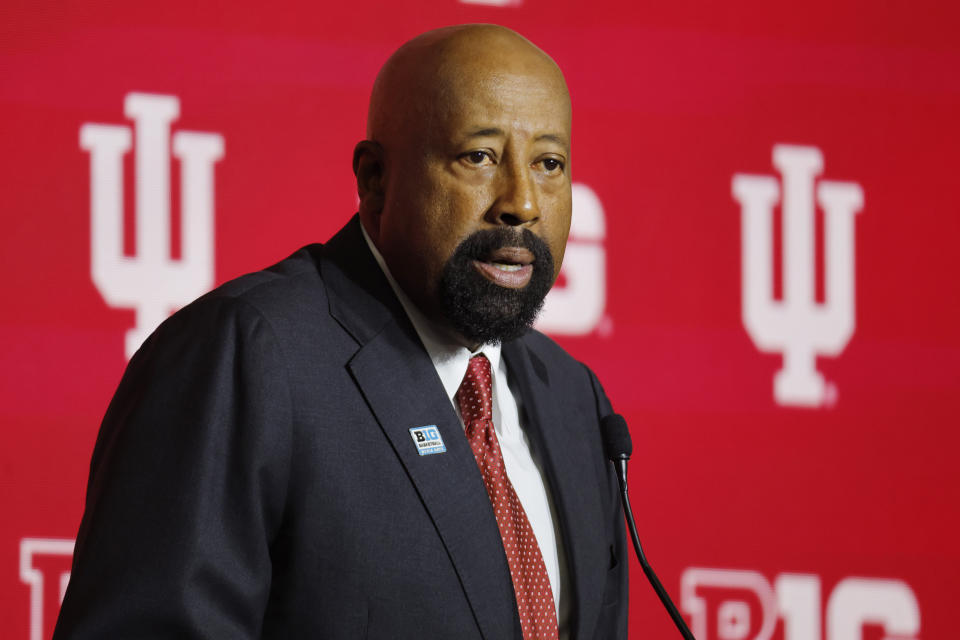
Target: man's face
492, 155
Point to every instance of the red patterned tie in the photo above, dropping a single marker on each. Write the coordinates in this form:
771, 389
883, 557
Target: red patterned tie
538, 617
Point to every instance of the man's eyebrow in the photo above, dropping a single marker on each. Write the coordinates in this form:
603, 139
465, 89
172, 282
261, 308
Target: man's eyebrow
486, 132
560, 140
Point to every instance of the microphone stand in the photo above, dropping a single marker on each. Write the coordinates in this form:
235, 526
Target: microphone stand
620, 464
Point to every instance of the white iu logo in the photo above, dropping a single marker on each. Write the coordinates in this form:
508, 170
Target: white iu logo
798, 327
152, 283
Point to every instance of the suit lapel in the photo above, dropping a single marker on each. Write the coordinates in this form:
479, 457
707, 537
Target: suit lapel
572, 485
398, 380
404, 391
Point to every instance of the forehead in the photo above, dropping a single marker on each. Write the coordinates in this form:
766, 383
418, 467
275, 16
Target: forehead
530, 101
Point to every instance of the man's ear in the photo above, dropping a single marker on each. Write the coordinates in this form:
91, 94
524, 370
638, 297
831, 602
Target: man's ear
368, 166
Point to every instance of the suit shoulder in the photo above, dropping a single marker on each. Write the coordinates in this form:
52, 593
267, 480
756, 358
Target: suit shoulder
294, 279
571, 374
549, 351
287, 292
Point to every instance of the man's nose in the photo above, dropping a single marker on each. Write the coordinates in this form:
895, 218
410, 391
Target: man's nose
517, 204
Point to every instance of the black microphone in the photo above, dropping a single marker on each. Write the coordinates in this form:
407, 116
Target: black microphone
618, 447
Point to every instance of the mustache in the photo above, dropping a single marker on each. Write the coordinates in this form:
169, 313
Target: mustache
481, 243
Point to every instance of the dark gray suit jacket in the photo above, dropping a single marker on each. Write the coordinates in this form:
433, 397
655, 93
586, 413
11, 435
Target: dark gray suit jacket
255, 476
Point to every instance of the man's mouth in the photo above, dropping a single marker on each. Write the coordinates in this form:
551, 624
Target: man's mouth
510, 267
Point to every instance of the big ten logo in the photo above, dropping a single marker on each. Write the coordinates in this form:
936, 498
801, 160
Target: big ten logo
45, 568
576, 303
428, 440
798, 326
152, 282
429, 434
743, 605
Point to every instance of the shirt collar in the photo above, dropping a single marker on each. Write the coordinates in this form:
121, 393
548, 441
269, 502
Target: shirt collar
450, 359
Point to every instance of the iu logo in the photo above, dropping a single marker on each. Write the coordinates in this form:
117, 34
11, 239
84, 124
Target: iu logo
151, 282
577, 308
45, 567
798, 326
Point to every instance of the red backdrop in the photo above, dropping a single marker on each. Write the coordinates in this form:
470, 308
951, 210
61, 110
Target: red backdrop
800, 512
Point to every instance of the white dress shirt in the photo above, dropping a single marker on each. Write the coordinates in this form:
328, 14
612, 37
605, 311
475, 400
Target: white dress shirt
450, 360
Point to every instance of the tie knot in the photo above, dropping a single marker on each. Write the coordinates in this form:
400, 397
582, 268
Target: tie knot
475, 395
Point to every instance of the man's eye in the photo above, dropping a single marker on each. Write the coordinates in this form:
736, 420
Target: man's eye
476, 157
552, 165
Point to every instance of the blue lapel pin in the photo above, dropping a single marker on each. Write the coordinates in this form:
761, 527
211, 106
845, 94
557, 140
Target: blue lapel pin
427, 440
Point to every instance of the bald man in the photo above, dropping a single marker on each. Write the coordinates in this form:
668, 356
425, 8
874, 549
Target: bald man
368, 440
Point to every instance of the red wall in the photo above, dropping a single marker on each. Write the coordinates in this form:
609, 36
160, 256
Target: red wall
794, 516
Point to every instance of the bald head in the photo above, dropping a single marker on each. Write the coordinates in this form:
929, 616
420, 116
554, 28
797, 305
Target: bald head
421, 81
